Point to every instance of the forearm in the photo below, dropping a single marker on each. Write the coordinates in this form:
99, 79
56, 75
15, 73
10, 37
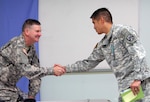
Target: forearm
91, 62
32, 71
81, 66
34, 87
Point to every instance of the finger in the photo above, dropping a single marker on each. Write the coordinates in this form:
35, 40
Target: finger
135, 90
61, 73
58, 65
57, 71
63, 70
132, 89
55, 74
58, 74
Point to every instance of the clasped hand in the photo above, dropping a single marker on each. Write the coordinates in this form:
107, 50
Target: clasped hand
135, 87
59, 70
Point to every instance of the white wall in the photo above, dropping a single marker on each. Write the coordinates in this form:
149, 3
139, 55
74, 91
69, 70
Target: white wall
68, 33
68, 36
79, 87
144, 27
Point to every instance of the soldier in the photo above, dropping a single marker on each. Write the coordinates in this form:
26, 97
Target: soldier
122, 50
17, 59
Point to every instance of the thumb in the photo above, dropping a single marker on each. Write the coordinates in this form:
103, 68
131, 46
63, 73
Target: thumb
57, 65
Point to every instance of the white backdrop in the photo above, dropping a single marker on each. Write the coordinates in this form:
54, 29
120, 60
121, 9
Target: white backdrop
68, 36
68, 33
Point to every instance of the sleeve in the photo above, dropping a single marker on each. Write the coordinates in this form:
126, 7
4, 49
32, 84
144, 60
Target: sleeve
92, 61
33, 70
137, 52
24, 64
34, 84
14, 54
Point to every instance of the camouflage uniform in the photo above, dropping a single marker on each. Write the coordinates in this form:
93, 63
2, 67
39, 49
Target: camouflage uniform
17, 60
125, 55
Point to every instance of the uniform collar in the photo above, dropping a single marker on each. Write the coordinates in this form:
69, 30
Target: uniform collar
107, 37
21, 40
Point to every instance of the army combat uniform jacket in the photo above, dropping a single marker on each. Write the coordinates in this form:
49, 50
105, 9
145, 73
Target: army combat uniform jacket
16, 61
123, 52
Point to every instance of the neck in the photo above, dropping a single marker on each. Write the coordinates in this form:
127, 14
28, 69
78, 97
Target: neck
27, 41
108, 28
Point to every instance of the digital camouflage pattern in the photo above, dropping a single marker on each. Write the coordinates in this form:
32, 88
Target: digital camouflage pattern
16, 61
124, 53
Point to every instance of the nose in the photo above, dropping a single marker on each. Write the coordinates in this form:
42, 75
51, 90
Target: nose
39, 34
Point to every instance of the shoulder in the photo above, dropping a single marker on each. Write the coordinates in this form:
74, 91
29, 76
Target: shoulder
10, 43
14, 43
128, 34
18, 41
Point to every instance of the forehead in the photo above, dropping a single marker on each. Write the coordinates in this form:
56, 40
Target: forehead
36, 27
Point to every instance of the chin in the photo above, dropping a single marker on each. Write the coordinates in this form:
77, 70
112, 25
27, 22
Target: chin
100, 33
36, 40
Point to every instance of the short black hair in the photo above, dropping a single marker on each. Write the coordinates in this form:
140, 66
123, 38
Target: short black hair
30, 22
102, 12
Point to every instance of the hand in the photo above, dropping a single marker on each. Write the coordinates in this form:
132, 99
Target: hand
135, 87
31, 97
59, 70
29, 100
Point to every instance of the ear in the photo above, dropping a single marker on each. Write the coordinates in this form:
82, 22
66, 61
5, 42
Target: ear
26, 31
102, 20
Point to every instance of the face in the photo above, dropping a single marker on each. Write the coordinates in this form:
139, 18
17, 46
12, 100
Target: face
33, 34
98, 25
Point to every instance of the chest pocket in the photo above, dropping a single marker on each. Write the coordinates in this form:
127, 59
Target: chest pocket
119, 49
24, 57
106, 49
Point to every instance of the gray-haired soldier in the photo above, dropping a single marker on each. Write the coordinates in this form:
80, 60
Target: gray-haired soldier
18, 58
123, 51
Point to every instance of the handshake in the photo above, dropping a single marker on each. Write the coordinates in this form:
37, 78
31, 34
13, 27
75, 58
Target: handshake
59, 70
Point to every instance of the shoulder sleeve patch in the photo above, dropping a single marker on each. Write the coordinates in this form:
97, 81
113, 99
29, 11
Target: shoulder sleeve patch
130, 38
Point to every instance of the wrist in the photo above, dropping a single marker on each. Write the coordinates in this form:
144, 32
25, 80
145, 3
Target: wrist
138, 81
